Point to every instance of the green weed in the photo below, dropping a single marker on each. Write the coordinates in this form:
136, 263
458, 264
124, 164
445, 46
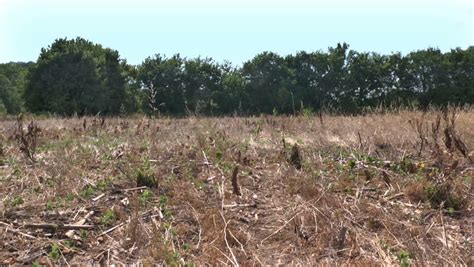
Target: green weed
88, 192
55, 253
108, 218
404, 258
145, 197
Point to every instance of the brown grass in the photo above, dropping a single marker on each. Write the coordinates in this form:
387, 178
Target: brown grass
374, 189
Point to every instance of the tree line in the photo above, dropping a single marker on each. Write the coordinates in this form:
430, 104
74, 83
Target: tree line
76, 76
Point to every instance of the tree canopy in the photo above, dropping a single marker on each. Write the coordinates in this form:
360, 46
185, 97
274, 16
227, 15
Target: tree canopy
79, 77
12, 86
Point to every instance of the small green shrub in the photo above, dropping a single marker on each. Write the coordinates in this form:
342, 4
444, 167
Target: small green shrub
145, 176
145, 196
88, 192
352, 163
83, 234
70, 197
295, 157
102, 184
55, 252
407, 165
70, 243
146, 179
308, 112
108, 217
17, 201
404, 258
50, 205
442, 194
275, 111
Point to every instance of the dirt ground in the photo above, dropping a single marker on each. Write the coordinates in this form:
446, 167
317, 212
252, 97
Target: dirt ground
389, 189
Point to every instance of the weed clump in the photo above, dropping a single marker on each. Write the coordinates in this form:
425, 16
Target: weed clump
55, 252
441, 196
404, 257
27, 141
146, 179
108, 217
408, 166
145, 197
295, 157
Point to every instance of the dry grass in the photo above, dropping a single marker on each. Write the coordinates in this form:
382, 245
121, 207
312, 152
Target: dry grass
241, 191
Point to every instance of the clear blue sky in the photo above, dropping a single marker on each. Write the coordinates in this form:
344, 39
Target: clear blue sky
234, 30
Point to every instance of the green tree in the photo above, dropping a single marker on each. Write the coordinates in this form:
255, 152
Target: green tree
343, 79
201, 80
335, 80
76, 76
310, 87
427, 70
12, 85
458, 84
231, 96
368, 78
165, 77
268, 82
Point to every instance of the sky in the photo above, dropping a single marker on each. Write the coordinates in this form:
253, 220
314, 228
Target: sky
234, 30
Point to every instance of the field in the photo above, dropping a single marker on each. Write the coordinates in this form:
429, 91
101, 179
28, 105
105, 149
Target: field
387, 189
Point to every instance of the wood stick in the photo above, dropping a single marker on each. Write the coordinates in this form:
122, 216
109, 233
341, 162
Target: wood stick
111, 229
82, 221
394, 196
279, 229
54, 226
235, 185
239, 205
226, 223
98, 197
9, 227
134, 188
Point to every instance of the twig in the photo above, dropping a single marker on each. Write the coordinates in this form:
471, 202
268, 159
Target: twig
279, 229
17, 231
54, 226
131, 189
144, 214
234, 262
240, 205
445, 240
394, 237
394, 196
223, 194
64, 258
28, 258
235, 185
211, 178
77, 213
123, 172
206, 162
220, 251
82, 221
341, 239
429, 228
380, 251
98, 197
111, 229
237, 240
199, 223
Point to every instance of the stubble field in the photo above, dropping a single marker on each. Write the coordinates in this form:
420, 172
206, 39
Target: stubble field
388, 189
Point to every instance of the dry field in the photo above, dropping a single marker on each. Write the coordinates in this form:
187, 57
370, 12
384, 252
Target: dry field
392, 189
